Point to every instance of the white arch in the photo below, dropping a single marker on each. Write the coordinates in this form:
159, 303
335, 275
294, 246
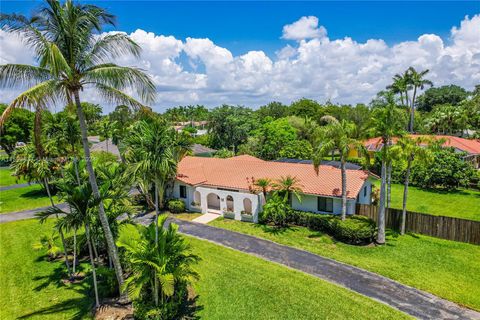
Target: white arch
230, 203
247, 205
213, 201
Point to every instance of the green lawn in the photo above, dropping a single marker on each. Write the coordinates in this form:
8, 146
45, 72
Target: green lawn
463, 204
189, 216
20, 199
233, 285
6, 178
445, 268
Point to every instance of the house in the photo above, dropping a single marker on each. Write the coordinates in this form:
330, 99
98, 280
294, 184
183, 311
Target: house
226, 185
470, 146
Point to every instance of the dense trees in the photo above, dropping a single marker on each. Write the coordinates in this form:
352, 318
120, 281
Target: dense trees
17, 128
451, 95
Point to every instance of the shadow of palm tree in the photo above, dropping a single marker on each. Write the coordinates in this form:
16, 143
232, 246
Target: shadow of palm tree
275, 230
82, 305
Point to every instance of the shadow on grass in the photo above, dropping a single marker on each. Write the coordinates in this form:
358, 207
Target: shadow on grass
275, 230
33, 194
80, 307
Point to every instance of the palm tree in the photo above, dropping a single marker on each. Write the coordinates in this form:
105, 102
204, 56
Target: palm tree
286, 186
411, 149
338, 136
72, 58
157, 261
417, 81
387, 124
263, 184
401, 85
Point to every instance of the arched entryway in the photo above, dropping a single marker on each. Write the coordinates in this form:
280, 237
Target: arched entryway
230, 206
213, 201
247, 205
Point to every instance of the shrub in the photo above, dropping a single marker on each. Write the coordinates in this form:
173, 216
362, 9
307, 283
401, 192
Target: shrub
107, 282
176, 206
276, 211
354, 230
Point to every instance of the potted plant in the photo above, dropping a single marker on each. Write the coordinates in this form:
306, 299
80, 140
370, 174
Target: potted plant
195, 204
227, 214
246, 216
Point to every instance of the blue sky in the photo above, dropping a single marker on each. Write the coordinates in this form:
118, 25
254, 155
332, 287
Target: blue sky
251, 53
247, 25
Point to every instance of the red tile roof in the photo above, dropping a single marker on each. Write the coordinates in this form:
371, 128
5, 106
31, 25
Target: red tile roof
239, 172
471, 146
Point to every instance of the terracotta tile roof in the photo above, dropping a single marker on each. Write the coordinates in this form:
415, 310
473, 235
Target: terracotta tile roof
239, 172
471, 146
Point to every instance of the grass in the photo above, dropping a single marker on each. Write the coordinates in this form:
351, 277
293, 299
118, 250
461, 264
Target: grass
25, 198
445, 268
463, 204
31, 286
189, 216
6, 178
233, 285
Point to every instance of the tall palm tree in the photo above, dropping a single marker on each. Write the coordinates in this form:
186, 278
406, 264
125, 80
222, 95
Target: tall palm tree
166, 261
387, 124
72, 58
339, 137
401, 85
411, 149
417, 81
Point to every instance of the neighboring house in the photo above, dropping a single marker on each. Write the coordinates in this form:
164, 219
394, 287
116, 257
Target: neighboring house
226, 185
470, 146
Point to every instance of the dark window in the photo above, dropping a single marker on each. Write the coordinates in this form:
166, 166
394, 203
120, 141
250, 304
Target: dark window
183, 192
365, 191
325, 204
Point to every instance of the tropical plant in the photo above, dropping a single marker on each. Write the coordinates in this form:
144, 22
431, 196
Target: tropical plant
387, 122
72, 58
286, 186
411, 150
49, 244
159, 264
276, 210
16, 129
418, 81
338, 137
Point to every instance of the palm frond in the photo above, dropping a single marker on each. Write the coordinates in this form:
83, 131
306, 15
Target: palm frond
12, 75
111, 47
115, 96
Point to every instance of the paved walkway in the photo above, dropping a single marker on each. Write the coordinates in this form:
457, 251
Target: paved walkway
27, 214
206, 218
417, 303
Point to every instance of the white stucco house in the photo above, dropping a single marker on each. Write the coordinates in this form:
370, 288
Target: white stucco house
226, 186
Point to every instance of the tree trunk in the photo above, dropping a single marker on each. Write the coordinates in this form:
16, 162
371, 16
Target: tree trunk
60, 231
155, 282
112, 248
412, 114
344, 188
95, 251
75, 163
94, 274
74, 250
389, 184
405, 193
381, 211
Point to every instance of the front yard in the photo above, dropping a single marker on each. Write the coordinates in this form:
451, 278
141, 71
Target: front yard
6, 178
233, 285
464, 204
448, 269
25, 198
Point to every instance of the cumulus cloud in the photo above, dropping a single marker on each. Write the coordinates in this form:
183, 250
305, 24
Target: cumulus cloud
305, 28
194, 70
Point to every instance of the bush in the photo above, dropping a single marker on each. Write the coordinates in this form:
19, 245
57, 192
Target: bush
354, 230
176, 206
174, 307
276, 211
107, 282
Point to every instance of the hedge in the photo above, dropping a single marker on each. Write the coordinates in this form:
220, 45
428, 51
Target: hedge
354, 230
176, 206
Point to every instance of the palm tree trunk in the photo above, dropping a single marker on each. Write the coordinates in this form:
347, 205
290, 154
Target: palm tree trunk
157, 212
94, 274
344, 188
74, 250
412, 114
381, 211
405, 193
75, 164
95, 251
389, 184
60, 231
112, 248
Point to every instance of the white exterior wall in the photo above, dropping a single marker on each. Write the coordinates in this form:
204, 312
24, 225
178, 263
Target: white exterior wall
309, 203
365, 199
238, 198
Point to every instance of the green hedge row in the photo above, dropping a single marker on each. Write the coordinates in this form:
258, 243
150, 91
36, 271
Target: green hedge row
354, 230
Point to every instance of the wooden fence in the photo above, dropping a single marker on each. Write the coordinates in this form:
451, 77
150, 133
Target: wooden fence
436, 226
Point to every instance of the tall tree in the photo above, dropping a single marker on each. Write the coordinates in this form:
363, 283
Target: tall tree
387, 124
417, 81
73, 57
338, 137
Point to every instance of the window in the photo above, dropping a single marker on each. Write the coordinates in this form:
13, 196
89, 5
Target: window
365, 191
325, 204
183, 192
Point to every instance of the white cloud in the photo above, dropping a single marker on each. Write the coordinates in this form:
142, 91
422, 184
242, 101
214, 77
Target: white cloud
304, 28
196, 70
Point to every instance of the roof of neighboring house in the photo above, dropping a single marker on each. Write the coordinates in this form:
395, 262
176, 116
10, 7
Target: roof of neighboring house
200, 149
333, 163
240, 172
471, 146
